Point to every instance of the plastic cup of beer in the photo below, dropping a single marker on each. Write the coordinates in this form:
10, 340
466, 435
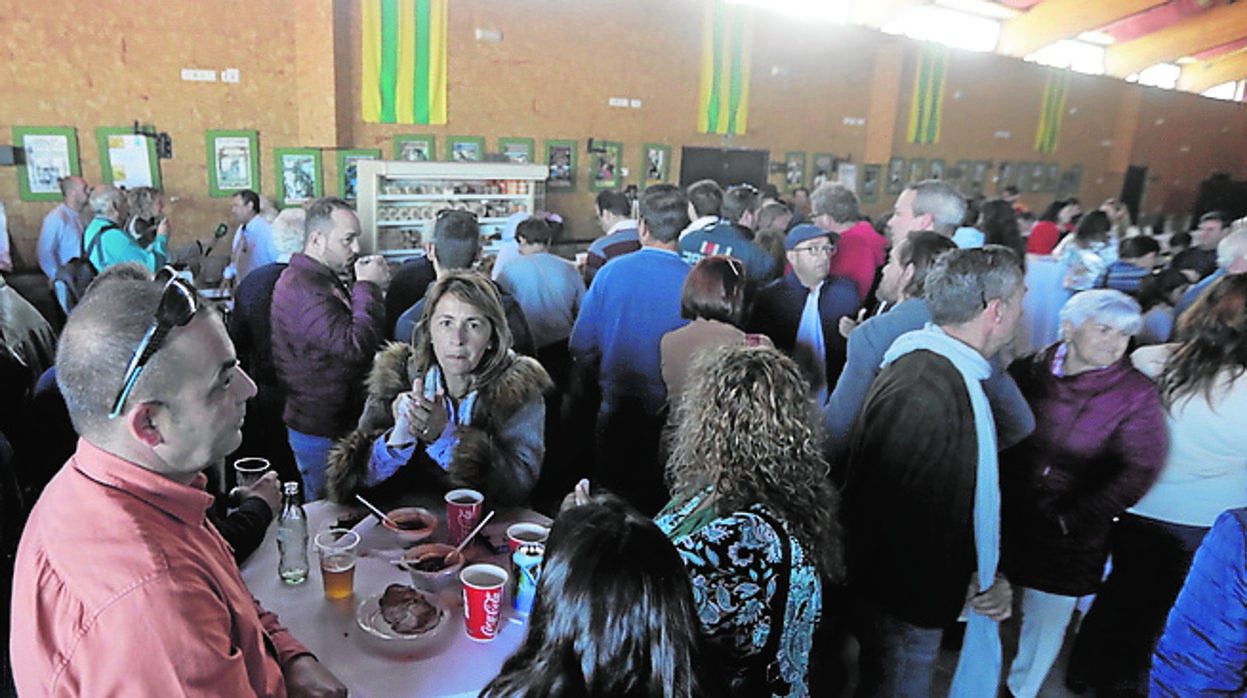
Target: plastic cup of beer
248, 471
482, 600
337, 561
463, 512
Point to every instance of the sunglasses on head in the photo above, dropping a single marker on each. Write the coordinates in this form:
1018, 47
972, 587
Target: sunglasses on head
178, 304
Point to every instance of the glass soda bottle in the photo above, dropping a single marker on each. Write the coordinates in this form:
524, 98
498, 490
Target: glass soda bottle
292, 562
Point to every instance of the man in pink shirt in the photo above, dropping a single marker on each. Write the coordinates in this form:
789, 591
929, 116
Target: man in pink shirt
860, 251
121, 586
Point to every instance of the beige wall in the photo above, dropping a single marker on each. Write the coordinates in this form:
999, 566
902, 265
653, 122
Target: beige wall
550, 77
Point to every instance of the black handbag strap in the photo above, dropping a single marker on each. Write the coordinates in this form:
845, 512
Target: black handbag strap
779, 606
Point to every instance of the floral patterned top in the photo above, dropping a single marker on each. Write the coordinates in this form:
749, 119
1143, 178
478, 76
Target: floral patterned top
735, 563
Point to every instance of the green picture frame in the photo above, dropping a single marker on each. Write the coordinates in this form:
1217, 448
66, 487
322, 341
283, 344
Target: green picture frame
465, 148
415, 147
51, 153
299, 175
655, 164
233, 161
517, 150
348, 180
824, 164
560, 157
606, 166
872, 182
127, 158
896, 176
917, 170
794, 170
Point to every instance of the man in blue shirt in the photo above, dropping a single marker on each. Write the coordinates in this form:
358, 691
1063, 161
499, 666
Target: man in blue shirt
631, 304
1136, 258
732, 236
253, 242
60, 240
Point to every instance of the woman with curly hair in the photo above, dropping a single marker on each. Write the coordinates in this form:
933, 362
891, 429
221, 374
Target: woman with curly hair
753, 515
614, 615
455, 408
1203, 388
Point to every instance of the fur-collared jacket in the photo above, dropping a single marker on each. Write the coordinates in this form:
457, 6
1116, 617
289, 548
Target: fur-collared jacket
499, 453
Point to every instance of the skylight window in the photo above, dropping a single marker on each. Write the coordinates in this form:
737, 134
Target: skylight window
947, 26
1230, 91
1160, 75
1079, 56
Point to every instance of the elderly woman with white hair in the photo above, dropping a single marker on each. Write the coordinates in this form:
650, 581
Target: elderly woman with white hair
1099, 444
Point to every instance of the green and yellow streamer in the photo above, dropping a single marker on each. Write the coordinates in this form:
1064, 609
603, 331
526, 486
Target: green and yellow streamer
404, 61
1052, 111
927, 108
727, 38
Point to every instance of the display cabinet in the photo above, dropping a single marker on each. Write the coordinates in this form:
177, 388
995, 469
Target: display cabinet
399, 200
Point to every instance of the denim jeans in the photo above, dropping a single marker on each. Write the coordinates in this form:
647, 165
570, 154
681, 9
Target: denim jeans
897, 659
311, 454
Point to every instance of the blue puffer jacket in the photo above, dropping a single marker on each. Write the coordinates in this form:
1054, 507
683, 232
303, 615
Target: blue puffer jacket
1204, 649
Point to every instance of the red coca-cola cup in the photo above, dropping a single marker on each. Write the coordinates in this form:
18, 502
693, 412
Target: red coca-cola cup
482, 600
463, 512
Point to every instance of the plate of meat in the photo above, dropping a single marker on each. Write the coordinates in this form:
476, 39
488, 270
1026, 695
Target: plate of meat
401, 620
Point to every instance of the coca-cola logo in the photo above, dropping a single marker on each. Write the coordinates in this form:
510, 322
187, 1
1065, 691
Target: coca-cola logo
493, 611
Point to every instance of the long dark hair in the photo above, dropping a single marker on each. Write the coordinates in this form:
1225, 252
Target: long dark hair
1094, 227
614, 615
1215, 328
999, 223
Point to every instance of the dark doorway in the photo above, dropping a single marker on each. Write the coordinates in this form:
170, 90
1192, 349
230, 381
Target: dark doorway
1132, 189
727, 166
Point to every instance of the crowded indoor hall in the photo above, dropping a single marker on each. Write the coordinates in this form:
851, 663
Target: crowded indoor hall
736, 348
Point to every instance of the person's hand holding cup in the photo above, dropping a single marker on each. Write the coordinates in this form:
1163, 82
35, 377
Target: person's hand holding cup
373, 269
267, 488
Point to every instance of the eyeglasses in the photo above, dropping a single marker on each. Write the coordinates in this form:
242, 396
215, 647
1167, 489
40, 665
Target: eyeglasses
818, 249
738, 269
455, 212
178, 304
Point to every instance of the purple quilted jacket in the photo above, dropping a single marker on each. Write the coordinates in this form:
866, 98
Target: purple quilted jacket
324, 338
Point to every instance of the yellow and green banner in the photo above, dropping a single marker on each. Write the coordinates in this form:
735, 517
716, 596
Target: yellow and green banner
927, 108
404, 61
1054, 95
727, 38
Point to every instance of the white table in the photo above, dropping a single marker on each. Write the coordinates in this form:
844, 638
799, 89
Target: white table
456, 666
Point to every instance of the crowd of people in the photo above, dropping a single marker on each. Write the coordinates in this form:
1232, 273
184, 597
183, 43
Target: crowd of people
788, 452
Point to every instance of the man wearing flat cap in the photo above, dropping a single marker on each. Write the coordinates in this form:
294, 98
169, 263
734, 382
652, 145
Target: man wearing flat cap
801, 310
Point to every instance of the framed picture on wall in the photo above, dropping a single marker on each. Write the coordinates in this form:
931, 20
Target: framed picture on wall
465, 148
935, 169
233, 162
348, 170
299, 175
1006, 176
794, 170
917, 169
419, 148
656, 168
1023, 176
1071, 182
823, 169
128, 159
959, 175
978, 175
896, 176
1052, 177
1038, 173
518, 150
606, 164
871, 175
51, 153
561, 161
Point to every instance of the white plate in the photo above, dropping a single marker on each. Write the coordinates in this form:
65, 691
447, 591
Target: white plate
378, 634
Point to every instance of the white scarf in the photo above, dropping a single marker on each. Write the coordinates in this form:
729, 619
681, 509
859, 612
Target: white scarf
978, 668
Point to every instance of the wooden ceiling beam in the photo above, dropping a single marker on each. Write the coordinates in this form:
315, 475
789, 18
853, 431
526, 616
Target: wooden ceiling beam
1218, 26
1053, 20
1201, 76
